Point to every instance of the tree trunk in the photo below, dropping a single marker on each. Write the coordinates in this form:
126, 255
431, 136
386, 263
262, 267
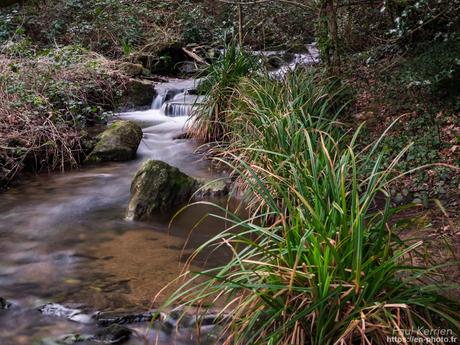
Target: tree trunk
240, 25
331, 14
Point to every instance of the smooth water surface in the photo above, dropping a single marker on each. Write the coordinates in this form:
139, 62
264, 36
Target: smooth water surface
64, 237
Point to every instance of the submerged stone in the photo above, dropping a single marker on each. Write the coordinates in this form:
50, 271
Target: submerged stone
212, 188
158, 187
4, 304
109, 318
68, 312
68, 339
113, 334
117, 143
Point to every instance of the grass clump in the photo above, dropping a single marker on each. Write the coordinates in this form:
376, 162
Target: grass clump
219, 81
322, 262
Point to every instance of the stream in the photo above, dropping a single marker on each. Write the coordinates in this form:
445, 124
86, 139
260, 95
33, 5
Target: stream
64, 237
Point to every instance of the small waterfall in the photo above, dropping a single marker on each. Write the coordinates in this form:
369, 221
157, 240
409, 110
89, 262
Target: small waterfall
177, 109
164, 96
174, 102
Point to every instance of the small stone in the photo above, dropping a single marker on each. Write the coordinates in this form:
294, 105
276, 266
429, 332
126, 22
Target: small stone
4, 304
417, 201
177, 319
74, 338
212, 188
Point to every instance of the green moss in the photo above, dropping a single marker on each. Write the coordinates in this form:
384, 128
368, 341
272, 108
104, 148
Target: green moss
118, 143
158, 187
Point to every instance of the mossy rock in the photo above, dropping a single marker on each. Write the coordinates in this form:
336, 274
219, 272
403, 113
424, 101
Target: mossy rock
138, 93
158, 187
131, 69
117, 143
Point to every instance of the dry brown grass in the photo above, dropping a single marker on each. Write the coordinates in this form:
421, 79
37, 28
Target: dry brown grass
45, 102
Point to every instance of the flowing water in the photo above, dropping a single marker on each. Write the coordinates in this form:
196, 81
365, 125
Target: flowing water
64, 238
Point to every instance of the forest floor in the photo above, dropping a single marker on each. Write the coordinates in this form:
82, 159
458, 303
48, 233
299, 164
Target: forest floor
432, 126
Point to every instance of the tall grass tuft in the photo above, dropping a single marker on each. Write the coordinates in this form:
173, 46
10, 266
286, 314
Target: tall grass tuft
322, 262
268, 116
218, 85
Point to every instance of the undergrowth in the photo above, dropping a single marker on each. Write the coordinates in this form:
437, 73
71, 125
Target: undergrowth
46, 98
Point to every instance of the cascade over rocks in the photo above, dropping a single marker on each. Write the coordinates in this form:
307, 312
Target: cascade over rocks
158, 187
117, 143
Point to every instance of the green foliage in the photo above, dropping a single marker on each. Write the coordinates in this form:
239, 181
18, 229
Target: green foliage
219, 81
427, 19
435, 66
320, 263
200, 26
276, 113
68, 80
8, 23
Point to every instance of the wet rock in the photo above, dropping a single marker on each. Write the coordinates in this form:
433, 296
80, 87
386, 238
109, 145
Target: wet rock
113, 334
117, 143
131, 69
4, 304
158, 187
68, 312
138, 93
179, 320
108, 318
212, 188
68, 339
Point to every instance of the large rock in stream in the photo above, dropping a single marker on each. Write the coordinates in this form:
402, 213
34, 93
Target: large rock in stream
117, 143
138, 93
158, 187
